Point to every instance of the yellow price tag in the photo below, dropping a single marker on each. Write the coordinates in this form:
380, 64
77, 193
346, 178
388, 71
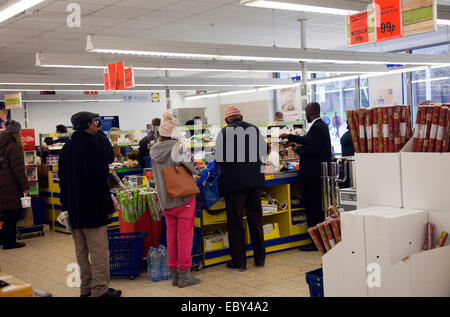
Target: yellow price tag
270, 177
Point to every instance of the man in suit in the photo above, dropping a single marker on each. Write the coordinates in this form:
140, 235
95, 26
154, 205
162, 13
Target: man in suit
313, 149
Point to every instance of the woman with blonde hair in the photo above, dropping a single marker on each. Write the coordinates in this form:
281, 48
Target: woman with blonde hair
14, 183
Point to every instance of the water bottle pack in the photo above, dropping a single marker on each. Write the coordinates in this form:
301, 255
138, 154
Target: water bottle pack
158, 264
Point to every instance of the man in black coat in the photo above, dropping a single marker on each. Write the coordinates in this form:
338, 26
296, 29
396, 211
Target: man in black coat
241, 180
85, 195
313, 149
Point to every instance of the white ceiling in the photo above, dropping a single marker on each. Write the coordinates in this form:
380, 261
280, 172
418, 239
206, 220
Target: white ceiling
45, 29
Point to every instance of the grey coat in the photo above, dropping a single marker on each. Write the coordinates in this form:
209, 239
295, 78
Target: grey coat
161, 155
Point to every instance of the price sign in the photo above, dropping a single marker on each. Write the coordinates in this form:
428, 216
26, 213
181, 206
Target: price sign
388, 19
120, 76
358, 30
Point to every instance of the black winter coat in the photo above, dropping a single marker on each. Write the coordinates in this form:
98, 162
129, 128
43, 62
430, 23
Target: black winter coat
83, 182
13, 181
107, 149
315, 148
240, 173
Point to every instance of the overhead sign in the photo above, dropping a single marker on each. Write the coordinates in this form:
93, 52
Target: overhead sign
13, 101
388, 19
360, 28
118, 77
391, 19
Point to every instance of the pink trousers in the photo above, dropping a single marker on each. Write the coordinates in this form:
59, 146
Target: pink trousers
180, 233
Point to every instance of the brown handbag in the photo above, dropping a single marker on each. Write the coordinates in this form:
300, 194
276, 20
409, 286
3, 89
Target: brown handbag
179, 182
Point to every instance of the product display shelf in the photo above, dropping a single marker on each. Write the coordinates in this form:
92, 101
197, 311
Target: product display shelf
50, 192
284, 236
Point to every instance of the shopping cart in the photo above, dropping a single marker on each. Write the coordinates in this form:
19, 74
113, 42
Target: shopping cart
125, 250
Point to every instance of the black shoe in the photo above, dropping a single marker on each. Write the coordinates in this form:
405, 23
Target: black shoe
260, 263
14, 246
236, 267
308, 247
85, 295
112, 293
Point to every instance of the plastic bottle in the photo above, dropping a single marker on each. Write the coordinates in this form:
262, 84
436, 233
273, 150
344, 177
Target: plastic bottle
155, 265
165, 273
149, 264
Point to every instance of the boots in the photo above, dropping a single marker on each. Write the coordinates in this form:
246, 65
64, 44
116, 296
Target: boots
174, 274
186, 279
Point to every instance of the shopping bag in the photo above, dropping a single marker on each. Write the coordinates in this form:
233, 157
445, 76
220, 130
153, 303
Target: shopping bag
179, 182
208, 185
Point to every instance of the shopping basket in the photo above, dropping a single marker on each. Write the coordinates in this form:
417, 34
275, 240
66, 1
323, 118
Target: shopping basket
125, 254
315, 282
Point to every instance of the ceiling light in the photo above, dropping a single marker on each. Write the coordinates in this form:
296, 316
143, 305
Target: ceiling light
72, 100
429, 80
293, 6
244, 53
14, 7
443, 22
96, 61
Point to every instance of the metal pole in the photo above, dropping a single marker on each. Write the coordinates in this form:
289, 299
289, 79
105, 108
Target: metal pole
304, 87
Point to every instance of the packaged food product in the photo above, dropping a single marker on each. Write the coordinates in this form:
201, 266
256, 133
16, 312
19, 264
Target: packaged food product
429, 120
352, 127
441, 128
336, 229
385, 129
380, 130
329, 233
423, 128
434, 128
368, 126
446, 141
362, 130
315, 236
442, 239
375, 130
396, 111
391, 129
323, 235
417, 129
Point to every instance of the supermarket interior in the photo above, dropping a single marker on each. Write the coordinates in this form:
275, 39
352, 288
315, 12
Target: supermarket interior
224, 148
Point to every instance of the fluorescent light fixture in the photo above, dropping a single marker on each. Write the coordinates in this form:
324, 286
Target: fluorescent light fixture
293, 6
443, 22
14, 7
71, 100
96, 61
429, 80
245, 53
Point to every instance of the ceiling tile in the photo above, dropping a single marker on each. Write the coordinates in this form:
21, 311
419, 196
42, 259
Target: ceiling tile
145, 4
120, 12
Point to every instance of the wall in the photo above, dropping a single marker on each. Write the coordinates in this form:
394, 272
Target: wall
212, 105
44, 117
379, 83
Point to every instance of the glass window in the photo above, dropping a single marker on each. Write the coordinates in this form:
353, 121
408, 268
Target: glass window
431, 84
335, 99
364, 92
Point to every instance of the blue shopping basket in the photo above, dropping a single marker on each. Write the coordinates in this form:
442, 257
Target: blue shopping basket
315, 282
125, 254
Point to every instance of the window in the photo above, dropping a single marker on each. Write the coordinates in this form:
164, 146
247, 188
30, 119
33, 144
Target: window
431, 84
335, 99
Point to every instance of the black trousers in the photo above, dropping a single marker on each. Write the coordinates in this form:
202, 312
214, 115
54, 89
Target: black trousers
8, 233
312, 194
235, 204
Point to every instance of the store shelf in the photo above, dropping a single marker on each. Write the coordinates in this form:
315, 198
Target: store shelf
298, 209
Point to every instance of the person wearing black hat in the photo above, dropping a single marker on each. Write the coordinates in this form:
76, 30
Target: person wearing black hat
85, 195
13, 184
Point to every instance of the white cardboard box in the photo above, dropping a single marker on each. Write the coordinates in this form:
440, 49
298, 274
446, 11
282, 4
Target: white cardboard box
378, 176
392, 235
426, 178
345, 265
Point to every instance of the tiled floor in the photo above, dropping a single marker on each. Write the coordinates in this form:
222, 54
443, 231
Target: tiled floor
43, 263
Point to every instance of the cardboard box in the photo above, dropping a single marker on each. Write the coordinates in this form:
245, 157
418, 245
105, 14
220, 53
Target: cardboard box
344, 266
16, 288
378, 179
390, 236
425, 178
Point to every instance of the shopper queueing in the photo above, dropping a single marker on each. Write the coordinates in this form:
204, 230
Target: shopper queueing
146, 142
13, 184
106, 147
179, 212
85, 195
241, 181
314, 149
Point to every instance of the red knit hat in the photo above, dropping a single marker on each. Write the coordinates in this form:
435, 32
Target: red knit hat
232, 111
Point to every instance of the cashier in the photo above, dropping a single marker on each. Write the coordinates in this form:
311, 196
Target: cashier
313, 149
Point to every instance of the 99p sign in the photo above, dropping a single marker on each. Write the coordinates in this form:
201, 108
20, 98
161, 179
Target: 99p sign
388, 19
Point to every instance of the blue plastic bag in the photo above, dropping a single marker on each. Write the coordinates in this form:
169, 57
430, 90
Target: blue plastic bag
207, 184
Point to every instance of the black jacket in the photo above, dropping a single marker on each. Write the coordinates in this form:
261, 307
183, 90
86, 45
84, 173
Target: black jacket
13, 181
84, 183
348, 148
238, 176
106, 147
144, 150
315, 148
